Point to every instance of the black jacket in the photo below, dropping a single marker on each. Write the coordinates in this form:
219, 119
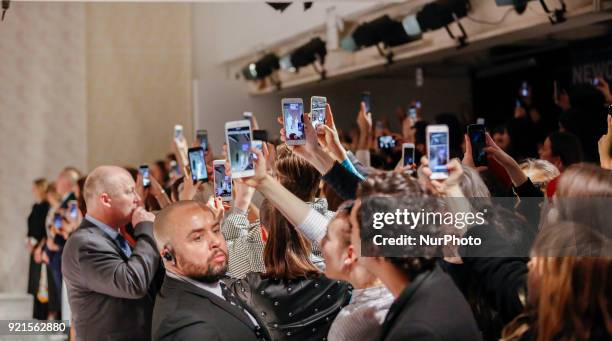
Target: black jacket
300, 309
430, 308
342, 181
185, 312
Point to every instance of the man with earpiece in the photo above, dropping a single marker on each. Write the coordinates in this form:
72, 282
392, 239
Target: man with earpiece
194, 303
111, 284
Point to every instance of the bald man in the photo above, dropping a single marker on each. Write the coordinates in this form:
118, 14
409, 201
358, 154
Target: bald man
193, 303
111, 285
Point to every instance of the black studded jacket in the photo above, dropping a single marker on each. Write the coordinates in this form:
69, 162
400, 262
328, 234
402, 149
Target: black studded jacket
298, 309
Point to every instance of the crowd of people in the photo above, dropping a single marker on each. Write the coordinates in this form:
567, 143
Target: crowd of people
170, 261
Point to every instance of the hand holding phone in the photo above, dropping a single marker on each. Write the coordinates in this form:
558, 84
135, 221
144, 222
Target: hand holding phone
438, 151
317, 110
366, 98
476, 133
197, 164
238, 137
145, 173
202, 138
178, 132
293, 112
408, 154
223, 181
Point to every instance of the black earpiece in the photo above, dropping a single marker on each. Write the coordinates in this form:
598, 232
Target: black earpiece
168, 256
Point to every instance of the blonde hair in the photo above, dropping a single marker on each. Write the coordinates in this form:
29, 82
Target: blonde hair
539, 171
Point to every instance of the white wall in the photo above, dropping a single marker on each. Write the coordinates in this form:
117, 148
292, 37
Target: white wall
42, 115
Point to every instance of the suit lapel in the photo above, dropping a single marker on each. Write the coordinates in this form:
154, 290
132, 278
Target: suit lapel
86, 224
214, 299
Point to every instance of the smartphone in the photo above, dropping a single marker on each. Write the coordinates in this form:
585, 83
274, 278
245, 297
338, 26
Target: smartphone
438, 150
480, 120
178, 132
386, 143
238, 137
247, 115
412, 113
525, 89
202, 137
175, 169
73, 209
146, 175
317, 110
366, 98
261, 135
518, 103
57, 221
223, 182
476, 132
257, 144
595, 81
293, 112
408, 154
197, 164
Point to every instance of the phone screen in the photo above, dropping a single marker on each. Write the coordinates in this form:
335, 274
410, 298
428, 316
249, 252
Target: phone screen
57, 221
197, 163
257, 144
412, 113
223, 182
367, 100
178, 131
146, 179
202, 136
239, 145
294, 125
477, 139
438, 151
386, 142
525, 89
73, 210
261, 135
408, 156
317, 110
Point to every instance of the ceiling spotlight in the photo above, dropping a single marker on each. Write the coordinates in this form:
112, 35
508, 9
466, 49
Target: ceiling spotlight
519, 5
279, 6
440, 14
382, 30
5, 6
309, 53
262, 68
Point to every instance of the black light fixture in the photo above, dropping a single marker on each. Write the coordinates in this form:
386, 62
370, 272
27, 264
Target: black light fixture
555, 16
307, 54
442, 13
519, 5
382, 30
282, 6
5, 6
262, 68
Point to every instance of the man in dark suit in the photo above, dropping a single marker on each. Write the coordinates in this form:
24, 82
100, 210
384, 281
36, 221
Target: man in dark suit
194, 303
111, 286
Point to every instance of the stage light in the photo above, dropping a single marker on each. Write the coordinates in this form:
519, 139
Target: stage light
5, 6
282, 6
305, 55
380, 30
442, 13
262, 68
519, 5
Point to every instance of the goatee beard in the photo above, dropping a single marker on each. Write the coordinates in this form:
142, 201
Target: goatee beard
211, 276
